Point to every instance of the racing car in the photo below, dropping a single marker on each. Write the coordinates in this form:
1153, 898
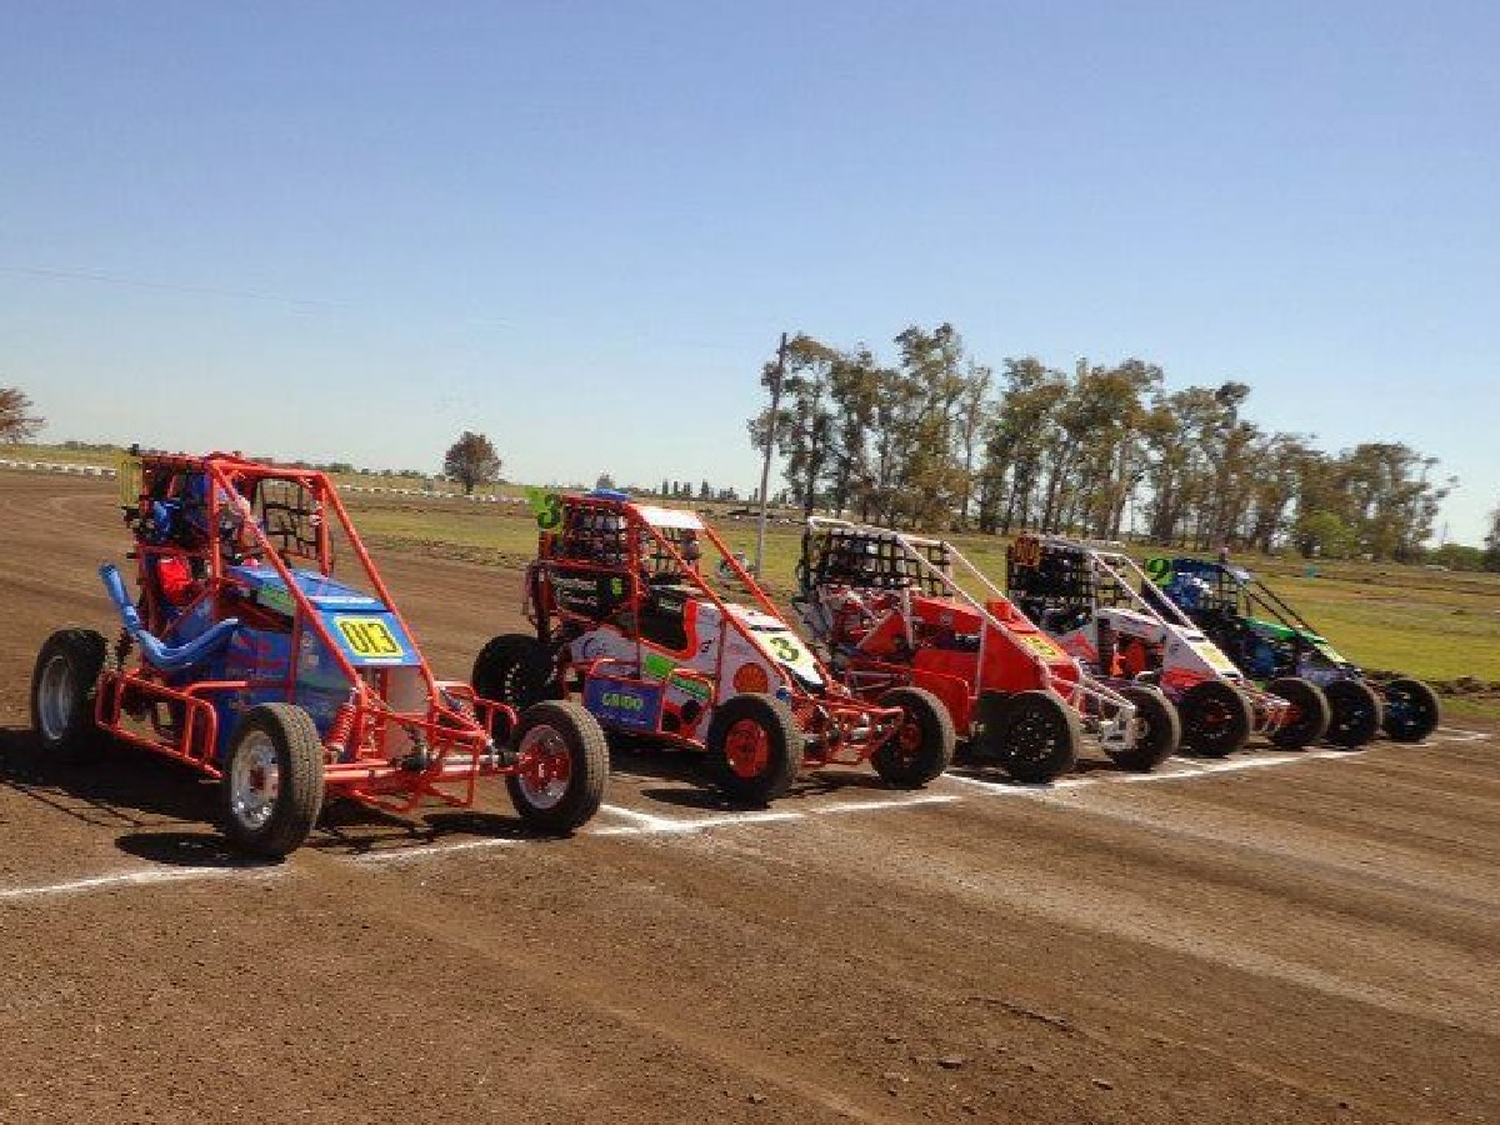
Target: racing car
1087, 597
241, 654
892, 609
1268, 639
632, 615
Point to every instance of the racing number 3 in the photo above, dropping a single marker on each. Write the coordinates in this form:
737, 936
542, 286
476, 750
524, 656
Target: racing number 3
549, 513
368, 636
783, 649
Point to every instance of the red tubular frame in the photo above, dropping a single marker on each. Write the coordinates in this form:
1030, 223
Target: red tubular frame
459, 743
833, 721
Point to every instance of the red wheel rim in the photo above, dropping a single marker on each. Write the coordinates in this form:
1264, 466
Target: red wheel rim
748, 748
545, 770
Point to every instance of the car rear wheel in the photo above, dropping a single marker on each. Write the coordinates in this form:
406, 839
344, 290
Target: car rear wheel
63, 687
514, 669
1357, 713
1157, 730
1036, 735
1412, 711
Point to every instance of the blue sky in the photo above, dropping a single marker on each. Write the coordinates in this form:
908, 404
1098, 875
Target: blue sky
347, 231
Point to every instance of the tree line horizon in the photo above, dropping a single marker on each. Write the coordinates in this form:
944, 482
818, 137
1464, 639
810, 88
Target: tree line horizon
939, 441
936, 442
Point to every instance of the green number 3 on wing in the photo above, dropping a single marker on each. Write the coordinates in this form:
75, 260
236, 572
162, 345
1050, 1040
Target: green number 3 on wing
1160, 570
550, 514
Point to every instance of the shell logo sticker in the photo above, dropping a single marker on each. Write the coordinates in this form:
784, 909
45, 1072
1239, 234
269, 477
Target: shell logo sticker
751, 678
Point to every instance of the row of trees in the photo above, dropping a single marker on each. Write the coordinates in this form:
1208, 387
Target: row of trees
937, 441
940, 441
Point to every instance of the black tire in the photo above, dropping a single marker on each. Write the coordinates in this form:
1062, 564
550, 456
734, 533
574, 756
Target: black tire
1216, 718
563, 767
64, 685
1309, 716
1037, 736
983, 739
1357, 713
923, 746
1412, 711
1158, 731
272, 789
514, 669
754, 747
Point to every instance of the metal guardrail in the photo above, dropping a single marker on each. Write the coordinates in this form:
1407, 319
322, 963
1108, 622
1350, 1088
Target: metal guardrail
58, 467
73, 469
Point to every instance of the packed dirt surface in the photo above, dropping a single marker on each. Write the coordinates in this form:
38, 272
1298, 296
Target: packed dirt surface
1277, 937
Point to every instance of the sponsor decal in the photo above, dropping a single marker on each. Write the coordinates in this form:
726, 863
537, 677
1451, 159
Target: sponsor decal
1026, 551
623, 704
659, 667
1214, 657
276, 598
751, 678
1041, 645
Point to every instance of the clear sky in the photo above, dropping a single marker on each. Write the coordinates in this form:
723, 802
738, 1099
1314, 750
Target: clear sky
349, 230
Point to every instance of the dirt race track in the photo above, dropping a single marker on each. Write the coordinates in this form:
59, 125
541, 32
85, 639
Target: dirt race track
1278, 937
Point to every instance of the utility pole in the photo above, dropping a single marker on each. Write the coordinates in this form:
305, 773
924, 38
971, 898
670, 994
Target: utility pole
765, 469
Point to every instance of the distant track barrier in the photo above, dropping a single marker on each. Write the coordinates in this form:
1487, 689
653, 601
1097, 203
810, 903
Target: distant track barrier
78, 470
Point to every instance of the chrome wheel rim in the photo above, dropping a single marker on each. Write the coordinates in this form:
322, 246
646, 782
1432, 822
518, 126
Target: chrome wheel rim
56, 699
254, 781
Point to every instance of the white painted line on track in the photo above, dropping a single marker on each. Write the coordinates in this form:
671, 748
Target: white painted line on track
1020, 788
665, 826
651, 820
427, 851
130, 879
1455, 734
649, 824
878, 806
1182, 768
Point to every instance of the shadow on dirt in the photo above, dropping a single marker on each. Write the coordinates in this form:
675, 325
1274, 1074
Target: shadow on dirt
123, 788
187, 849
690, 767
168, 813
350, 828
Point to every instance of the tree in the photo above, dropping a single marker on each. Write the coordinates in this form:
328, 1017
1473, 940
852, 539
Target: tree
604, 480
16, 422
472, 460
1492, 542
803, 424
